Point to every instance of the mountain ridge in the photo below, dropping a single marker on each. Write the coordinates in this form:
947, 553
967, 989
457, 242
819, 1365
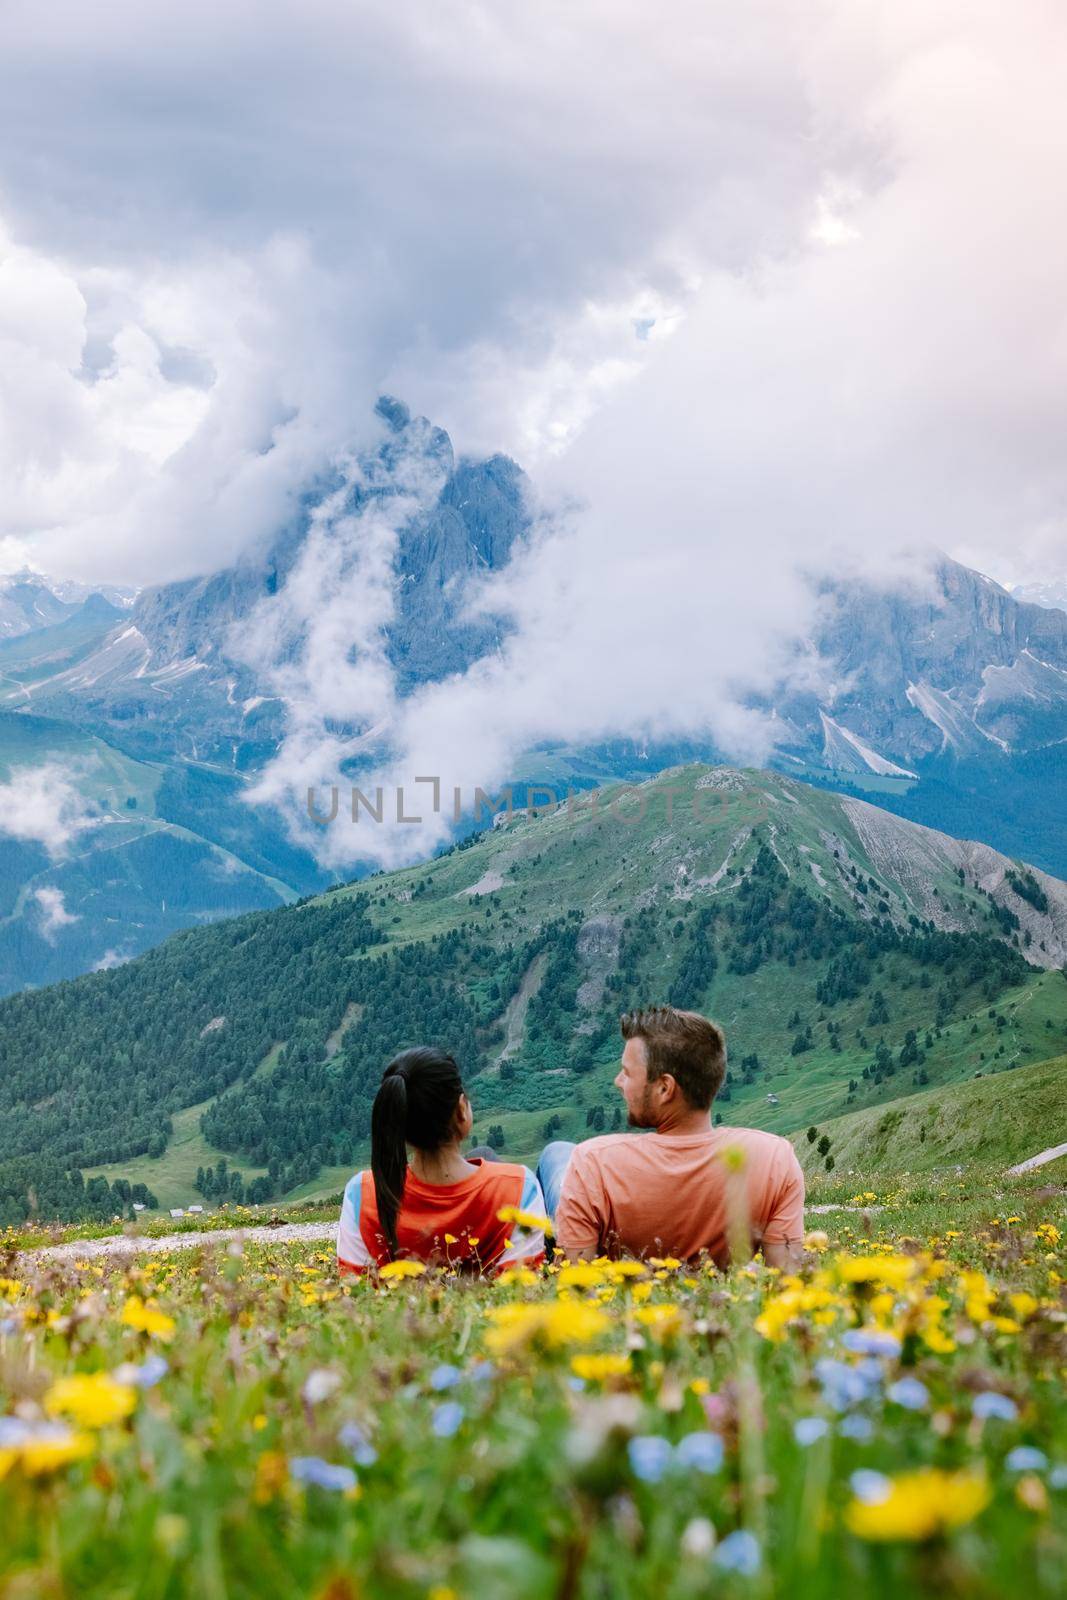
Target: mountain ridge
945, 695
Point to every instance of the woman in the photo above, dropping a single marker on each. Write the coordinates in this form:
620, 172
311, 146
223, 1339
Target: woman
436, 1205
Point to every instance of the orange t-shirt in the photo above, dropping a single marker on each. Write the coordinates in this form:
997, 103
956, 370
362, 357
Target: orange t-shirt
665, 1194
448, 1223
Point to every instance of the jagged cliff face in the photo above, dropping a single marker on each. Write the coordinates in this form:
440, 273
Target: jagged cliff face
966, 670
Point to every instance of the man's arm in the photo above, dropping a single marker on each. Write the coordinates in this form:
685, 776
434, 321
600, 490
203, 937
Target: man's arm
783, 1233
579, 1226
785, 1254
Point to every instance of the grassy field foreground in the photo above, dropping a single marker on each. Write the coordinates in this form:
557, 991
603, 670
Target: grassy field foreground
235, 1421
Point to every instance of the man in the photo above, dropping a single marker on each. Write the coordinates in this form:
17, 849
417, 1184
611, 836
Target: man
685, 1188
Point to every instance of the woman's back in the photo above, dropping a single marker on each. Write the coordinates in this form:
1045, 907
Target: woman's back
446, 1223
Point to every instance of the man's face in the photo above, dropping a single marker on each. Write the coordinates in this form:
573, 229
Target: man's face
632, 1080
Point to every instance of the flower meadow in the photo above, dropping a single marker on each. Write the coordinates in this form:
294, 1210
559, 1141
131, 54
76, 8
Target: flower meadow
234, 1419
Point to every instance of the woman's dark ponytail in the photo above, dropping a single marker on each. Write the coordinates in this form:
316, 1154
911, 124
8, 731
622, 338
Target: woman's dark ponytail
388, 1150
415, 1105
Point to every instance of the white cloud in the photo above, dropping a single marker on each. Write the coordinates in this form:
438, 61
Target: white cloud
470, 210
42, 805
836, 224
53, 911
109, 960
320, 642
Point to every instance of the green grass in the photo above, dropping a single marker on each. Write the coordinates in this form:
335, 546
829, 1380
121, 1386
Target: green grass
104, 775
172, 1176
493, 1474
1001, 1119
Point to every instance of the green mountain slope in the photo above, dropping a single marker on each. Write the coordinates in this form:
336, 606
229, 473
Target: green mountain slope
851, 956
128, 855
985, 1119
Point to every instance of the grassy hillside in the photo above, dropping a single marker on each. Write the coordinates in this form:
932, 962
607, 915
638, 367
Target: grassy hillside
1000, 1119
852, 958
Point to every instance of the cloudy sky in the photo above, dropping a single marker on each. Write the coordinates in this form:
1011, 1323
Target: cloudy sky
751, 289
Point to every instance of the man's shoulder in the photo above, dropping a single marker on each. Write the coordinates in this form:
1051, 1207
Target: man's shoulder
606, 1145
757, 1141
757, 1136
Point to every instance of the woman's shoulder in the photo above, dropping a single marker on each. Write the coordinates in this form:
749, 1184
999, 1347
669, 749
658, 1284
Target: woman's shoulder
513, 1176
353, 1192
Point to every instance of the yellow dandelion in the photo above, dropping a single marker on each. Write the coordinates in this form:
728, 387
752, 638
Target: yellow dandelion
146, 1317
517, 1278
598, 1368
552, 1325
917, 1506
663, 1321
619, 1271
582, 1275
396, 1270
91, 1400
892, 1271
272, 1475
50, 1452
516, 1217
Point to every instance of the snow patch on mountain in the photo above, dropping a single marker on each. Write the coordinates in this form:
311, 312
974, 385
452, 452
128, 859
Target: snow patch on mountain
845, 751
1028, 678
958, 729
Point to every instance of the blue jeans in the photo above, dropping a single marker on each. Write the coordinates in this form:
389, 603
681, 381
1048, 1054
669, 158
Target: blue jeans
550, 1170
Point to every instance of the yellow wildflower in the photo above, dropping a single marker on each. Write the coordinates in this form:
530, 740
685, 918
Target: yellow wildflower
517, 1278
796, 1299
272, 1475
663, 1321
518, 1218
48, 1452
93, 1401
617, 1271
552, 1324
582, 1275
892, 1271
597, 1368
146, 1317
397, 1270
978, 1296
919, 1505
